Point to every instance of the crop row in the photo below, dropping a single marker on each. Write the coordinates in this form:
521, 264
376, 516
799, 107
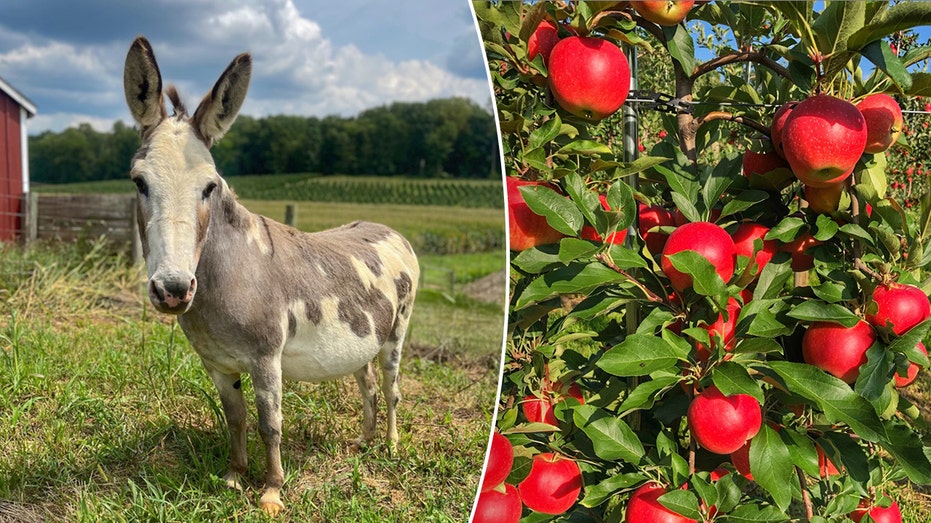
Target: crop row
374, 190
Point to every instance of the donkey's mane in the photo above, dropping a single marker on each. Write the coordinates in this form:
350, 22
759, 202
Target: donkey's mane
176, 104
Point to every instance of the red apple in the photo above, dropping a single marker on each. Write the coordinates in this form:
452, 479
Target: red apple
653, 216
542, 41
883, 121
824, 200
589, 77
499, 462
741, 460
553, 484
724, 329
526, 228
890, 514
494, 506
779, 121
589, 233
801, 260
663, 12
837, 349
744, 237
722, 424
822, 140
903, 306
826, 467
707, 239
540, 409
913, 369
766, 170
644, 507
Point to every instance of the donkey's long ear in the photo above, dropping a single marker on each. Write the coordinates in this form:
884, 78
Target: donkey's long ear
142, 83
217, 111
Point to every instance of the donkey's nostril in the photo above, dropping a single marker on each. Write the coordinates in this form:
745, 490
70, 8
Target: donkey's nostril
181, 291
156, 290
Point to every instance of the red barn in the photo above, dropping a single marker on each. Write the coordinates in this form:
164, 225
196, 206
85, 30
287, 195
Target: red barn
14, 159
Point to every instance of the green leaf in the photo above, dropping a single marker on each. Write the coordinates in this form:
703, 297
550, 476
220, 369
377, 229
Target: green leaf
575, 278
571, 249
871, 178
683, 502
814, 310
802, 450
886, 61
786, 230
773, 277
907, 343
899, 17
560, 213
585, 148
874, 380
680, 182
905, 444
826, 228
639, 355
743, 201
646, 393
597, 494
772, 466
729, 493
681, 46
749, 513
921, 84
612, 439
732, 378
545, 133
705, 279
838, 401
536, 260
836, 23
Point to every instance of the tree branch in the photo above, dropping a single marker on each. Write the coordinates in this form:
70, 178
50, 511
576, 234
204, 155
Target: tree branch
724, 115
806, 498
740, 56
605, 259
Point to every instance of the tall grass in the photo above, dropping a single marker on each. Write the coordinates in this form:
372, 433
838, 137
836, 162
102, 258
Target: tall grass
106, 413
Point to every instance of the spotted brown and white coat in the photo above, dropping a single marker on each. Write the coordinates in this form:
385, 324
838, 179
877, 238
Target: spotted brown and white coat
252, 295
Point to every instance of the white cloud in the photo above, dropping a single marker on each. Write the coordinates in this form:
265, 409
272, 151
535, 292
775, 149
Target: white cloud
297, 68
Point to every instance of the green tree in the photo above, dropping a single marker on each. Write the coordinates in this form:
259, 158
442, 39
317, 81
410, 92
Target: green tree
608, 319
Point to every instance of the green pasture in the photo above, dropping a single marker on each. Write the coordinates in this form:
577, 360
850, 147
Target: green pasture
107, 415
431, 226
379, 190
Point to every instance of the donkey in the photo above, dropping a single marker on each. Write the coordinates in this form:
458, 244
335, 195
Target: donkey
252, 295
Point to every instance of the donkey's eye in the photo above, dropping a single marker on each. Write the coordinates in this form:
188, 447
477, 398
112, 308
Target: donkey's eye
208, 190
141, 186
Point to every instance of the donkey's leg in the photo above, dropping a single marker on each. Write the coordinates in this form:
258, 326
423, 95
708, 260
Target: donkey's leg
390, 359
266, 379
234, 407
368, 386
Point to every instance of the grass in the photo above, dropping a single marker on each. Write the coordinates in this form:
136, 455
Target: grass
430, 229
380, 190
106, 413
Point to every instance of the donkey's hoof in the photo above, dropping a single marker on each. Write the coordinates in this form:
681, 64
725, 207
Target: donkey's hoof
232, 480
271, 504
360, 443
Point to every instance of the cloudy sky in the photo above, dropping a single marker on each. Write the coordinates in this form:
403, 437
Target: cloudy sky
309, 57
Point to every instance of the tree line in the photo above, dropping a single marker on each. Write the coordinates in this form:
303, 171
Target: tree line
451, 137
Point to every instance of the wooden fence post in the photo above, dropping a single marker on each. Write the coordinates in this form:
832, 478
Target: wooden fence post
290, 215
31, 218
134, 233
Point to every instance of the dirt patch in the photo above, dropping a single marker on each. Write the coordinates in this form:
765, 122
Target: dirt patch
489, 289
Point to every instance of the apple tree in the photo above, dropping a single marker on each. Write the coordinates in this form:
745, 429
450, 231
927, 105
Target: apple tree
711, 332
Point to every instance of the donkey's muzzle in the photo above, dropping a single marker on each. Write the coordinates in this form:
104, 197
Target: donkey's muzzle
172, 296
